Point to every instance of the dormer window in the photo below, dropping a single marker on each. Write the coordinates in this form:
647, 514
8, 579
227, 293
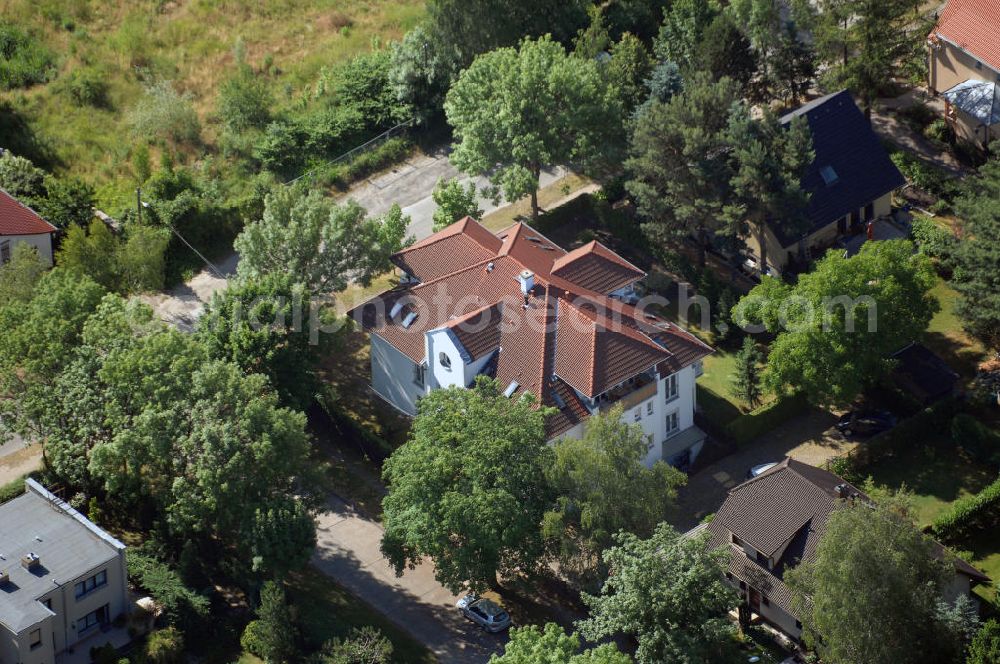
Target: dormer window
444, 361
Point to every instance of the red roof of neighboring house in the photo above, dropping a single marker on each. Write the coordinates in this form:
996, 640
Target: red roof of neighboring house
16, 218
565, 337
973, 25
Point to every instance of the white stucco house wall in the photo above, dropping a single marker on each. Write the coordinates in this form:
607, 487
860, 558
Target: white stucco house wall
564, 326
21, 224
62, 578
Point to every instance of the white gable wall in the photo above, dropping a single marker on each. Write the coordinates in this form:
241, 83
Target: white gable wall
42, 243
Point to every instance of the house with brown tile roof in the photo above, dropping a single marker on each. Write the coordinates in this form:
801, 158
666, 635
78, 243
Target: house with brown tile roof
20, 224
775, 521
964, 67
566, 327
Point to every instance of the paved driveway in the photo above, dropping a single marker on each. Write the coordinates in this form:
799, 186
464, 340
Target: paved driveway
809, 438
347, 550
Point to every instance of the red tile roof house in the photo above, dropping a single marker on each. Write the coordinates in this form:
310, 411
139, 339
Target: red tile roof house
964, 67
19, 223
540, 319
774, 521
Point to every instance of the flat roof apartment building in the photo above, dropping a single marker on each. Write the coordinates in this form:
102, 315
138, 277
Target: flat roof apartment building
62, 579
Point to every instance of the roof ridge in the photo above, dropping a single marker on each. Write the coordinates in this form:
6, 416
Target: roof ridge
458, 320
451, 230
30, 209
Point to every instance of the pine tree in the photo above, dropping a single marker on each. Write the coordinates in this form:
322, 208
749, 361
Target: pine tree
274, 627
746, 384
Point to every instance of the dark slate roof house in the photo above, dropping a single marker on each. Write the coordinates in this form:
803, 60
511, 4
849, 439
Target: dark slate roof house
775, 521
850, 180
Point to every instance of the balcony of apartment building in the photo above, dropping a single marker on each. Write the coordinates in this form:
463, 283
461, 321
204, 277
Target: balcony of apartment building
630, 393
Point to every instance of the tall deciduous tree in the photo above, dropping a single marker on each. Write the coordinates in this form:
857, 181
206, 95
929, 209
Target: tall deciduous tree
668, 593
322, 243
837, 326
680, 163
770, 159
603, 486
140, 416
683, 30
873, 561
515, 111
977, 256
468, 489
551, 645
454, 202
271, 326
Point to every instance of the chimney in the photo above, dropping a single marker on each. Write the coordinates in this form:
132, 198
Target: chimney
527, 279
490, 266
4, 578
30, 561
841, 490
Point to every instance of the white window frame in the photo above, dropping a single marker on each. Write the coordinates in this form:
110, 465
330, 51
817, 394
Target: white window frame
637, 414
670, 388
444, 360
649, 407
35, 639
675, 415
419, 374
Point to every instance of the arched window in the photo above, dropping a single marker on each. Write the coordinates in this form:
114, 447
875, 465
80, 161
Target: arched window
444, 361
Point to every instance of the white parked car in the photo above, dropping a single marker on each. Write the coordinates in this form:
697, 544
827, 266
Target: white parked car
489, 615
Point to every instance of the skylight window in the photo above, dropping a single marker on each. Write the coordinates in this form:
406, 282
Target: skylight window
396, 308
830, 176
408, 321
511, 389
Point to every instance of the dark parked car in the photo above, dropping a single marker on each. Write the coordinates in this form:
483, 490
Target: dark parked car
864, 423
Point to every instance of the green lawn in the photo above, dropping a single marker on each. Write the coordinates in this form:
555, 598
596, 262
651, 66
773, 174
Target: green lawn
934, 472
946, 337
937, 476
714, 395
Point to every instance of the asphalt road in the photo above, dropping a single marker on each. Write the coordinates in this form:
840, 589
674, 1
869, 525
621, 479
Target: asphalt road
347, 550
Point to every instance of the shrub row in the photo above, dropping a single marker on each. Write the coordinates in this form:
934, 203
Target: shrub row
756, 423
392, 151
969, 514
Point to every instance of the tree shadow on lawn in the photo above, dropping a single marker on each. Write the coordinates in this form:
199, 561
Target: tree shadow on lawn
960, 356
934, 471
